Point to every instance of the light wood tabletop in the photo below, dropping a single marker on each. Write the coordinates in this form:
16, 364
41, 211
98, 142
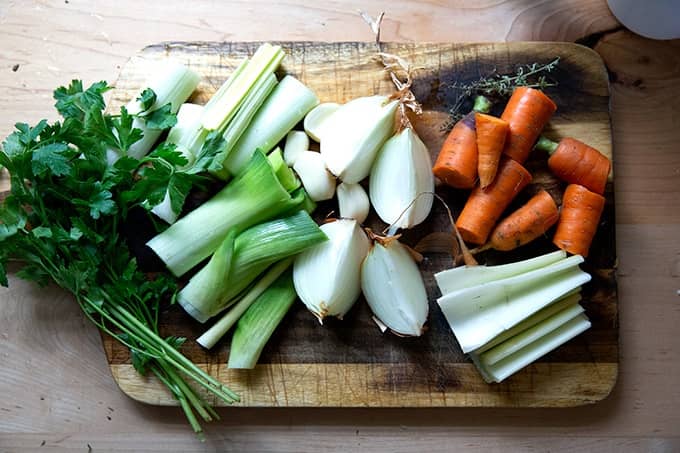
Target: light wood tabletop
56, 390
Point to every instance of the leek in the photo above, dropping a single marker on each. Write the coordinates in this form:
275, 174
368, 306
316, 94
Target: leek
255, 195
479, 313
172, 83
258, 323
284, 108
212, 289
552, 339
287, 177
221, 327
240, 122
224, 104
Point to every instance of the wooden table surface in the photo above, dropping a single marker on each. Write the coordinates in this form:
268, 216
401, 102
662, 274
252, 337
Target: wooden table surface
55, 388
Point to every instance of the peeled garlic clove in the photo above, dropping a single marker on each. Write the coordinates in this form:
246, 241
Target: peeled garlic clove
400, 173
394, 288
318, 182
327, 275
297, 142
316, 119
353, 135
353, 202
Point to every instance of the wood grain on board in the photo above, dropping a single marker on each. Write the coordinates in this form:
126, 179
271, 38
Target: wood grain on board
350, 363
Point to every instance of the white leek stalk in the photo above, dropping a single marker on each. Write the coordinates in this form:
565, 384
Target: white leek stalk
394, 288
353, 202
402, 182
297, 142
188, 136
478, 314
327, 275
467, 276
317, 180
172, 83
224, 104
354, 133
315, 121
284, 108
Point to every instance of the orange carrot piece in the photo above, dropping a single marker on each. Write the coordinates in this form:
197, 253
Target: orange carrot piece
577, 163
485, 206
581, 211
491, 133
456, 164
525, 224
527, 113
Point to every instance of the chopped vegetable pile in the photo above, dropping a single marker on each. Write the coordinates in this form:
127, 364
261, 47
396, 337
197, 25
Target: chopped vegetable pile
253, 247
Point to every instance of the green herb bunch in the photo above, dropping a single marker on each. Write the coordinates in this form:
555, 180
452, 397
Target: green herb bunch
61, 223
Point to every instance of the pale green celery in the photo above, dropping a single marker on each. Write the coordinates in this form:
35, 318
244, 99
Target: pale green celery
480, 313
209, 283
467, 276
530, 335
287, 177
188, 134
573, 297
284, 108
258, 323
173, 83
255, 249
530, 353
255, 195
221, 327
235, 128
224, 104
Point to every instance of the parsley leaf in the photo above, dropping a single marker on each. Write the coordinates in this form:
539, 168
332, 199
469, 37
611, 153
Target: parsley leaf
100, 202
51, 157
127, 134
147, 99
161, 118
73, 102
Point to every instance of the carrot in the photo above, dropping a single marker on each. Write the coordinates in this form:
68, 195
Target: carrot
525, 224
485, 206
491, 133
581, 211
456, 164
577, 163
527, 113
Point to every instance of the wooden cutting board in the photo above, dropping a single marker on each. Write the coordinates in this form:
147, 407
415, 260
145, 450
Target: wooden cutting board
349, 362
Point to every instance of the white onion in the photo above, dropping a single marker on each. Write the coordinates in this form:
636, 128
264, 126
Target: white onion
353, 202
318, 182
400, 173
394, 288
327, 275
297, 142
353, 135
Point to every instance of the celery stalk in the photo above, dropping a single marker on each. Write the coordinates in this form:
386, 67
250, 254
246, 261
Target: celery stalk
258, 323
235, 128
221, 327
499, 371
286, 106
188, 134
480, 313
224, 104
255, 249
253, 196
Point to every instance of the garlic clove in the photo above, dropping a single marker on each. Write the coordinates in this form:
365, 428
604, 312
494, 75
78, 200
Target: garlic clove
315, 120
297, 142
317, 180
327, 275
353, 202
401, 183
353, 135
394, 288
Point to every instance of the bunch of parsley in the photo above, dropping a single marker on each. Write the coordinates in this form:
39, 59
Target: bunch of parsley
61, 223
